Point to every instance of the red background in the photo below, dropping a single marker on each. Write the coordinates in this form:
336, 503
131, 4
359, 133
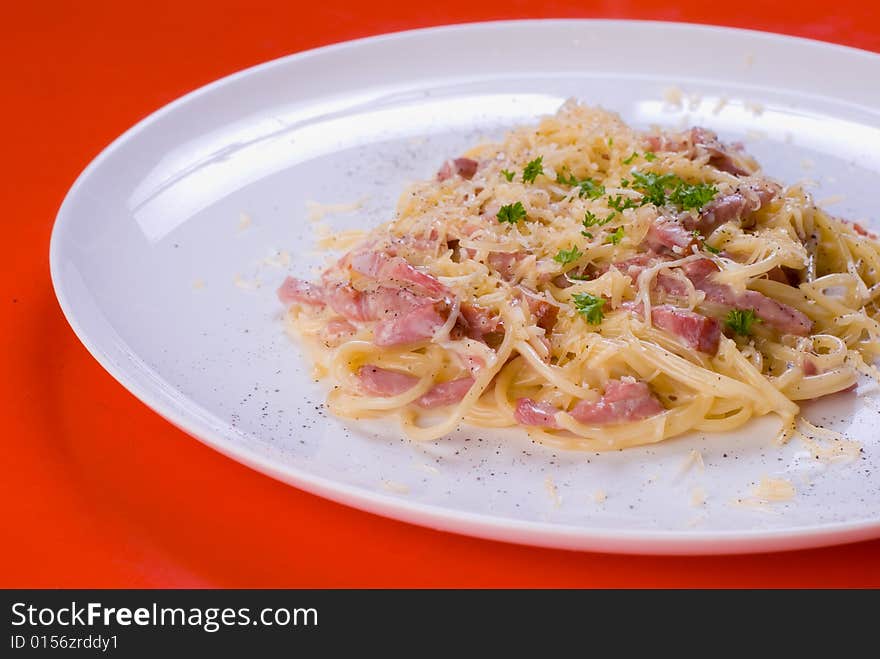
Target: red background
98, 490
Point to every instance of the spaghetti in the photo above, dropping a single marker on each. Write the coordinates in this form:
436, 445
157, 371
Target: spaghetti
600, 286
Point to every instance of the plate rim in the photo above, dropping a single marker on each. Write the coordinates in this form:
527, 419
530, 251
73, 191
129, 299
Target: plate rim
481, 525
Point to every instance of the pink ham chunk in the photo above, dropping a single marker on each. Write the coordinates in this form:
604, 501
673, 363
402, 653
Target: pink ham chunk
698, 141
393, 269
739, 205
475, 322
337, 331
783, 318
410, 326
545, 313
464, 167
384, 382
445, 393
624, 400
665, 233
694, 330
532, 413
297, 290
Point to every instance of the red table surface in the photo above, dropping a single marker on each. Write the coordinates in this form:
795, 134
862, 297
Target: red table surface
97, 490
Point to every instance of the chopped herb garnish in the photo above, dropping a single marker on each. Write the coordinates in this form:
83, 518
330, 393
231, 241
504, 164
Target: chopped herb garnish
653, 186
533, 169
610, 141
589, 307
507, 174
696, 195
587, 234
687, 196
621, 203
511, 213
650, 157
562, 179
741, 320
589, 188
624, 182
710, 249
566, 256
579, 277
627, 161
615, 236
590, 220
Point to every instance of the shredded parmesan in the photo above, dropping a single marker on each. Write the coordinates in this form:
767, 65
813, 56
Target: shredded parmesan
396, 488
280, 259
673, 96
693, 459
828, 201
550, 486
774, 489
246, 284
317, 211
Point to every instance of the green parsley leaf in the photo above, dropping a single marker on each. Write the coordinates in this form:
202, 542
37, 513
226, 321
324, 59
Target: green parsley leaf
511, 213
562, 179
610, 141
589, 307
627, 161
590, 220
624, 182
653, 186
615, 236
710, 249
579, 277
692, 195
589, 188
741, 320
566, 256
621, 203
507, 174
587, 234
533, 168
650, 157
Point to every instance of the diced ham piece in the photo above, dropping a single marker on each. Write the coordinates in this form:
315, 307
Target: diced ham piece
532, 413
445, 393
413, 326
624, 400
739, 205
505, 262
545, 313
781, 317
695, 330
696, 141
297, 290
384, 382
475, 322
719, 154
338, 330
464, 167
385, 268
666, 233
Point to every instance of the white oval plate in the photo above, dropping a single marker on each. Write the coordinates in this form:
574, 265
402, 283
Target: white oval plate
161, 259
